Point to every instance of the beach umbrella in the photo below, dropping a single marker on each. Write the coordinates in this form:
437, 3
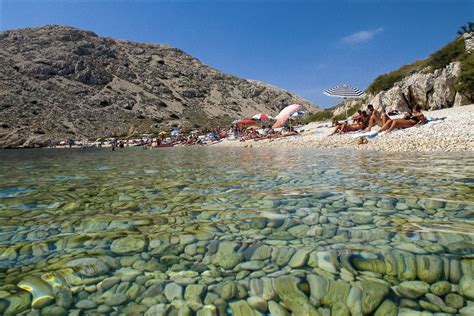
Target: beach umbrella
297, 114
244, 122
344, 92
163, 133
261, 117
283, 116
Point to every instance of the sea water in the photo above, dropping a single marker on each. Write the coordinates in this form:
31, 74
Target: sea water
212, 231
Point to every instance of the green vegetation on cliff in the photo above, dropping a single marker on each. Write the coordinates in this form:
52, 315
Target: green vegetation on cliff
454, 51
465, 81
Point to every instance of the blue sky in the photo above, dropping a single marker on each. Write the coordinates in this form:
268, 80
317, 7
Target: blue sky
302, 46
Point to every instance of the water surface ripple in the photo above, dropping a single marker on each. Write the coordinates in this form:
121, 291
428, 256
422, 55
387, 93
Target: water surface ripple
213, 231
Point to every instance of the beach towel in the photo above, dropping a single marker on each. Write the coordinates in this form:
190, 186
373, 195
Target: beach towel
371, 134
433, 119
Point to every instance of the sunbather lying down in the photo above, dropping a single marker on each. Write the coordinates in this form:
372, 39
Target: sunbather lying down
412, 119
359, 122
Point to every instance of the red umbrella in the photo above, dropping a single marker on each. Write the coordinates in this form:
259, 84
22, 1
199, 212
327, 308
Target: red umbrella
244, 122
261, 117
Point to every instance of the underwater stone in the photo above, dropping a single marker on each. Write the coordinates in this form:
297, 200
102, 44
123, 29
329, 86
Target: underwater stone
429, 306
282, 255
251, 265
116, 299
319, 287
436, 300
440, 288
387, 308
226, 256
157, 310
327, 261
258, 303
134, 291
404, 302
41, 292
86, 304
108, 283
54, 311
354, 300
467, 311
338, 292
367, 262
194, 293
413, 289
127, 245
262, 253
173, 291
276, 309
455, 272
300, 258
406, 265
208, 310
287, 289
373, 294
63, 297
89, 267
466, 285
429, 268
226, 290
242, 308
18, 303
184, 311
454, 300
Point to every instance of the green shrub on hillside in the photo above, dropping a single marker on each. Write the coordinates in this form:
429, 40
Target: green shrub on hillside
465, 81
386, 81
452, 52
323, 115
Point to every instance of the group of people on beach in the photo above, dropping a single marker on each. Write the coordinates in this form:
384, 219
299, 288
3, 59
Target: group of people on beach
366, 120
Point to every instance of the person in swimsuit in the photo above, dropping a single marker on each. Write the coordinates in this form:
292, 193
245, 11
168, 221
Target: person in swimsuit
410, 120
359, 122
376, 118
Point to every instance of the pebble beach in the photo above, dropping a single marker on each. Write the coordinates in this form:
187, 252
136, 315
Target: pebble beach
453, 131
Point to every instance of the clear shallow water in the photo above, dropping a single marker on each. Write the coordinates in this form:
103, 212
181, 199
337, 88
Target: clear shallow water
235, 231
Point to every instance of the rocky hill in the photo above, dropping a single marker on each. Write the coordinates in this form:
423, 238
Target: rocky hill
59, 82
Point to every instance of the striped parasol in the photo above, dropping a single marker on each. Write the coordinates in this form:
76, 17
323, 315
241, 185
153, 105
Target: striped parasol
344, 92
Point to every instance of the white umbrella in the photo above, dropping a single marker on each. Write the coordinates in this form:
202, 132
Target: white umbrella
283, 116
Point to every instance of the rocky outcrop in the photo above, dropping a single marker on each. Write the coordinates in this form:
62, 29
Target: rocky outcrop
59, 82
431, 91
469, 41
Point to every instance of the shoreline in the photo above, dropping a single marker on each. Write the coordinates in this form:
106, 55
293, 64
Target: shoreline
452, 132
